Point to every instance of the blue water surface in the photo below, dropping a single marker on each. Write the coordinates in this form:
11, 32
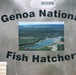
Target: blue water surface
45, 42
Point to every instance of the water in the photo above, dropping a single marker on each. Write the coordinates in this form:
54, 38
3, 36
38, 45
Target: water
45, 42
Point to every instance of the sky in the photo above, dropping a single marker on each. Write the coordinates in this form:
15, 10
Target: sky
44, 23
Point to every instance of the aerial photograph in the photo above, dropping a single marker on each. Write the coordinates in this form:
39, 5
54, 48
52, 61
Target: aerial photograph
41, 36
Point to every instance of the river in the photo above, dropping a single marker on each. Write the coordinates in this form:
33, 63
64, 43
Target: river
46, 42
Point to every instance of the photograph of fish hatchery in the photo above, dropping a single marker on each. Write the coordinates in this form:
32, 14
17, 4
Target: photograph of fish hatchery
41, 36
